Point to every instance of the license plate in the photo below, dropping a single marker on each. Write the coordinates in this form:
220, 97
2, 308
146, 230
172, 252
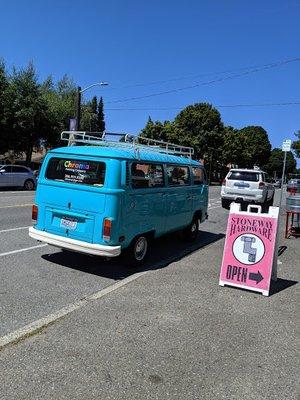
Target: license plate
241, 185
69, 223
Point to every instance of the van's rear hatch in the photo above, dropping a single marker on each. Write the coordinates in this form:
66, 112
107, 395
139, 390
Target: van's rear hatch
70, 194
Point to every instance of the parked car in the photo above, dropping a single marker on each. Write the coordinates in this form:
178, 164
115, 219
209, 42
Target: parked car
247, 186
17, 176
116, 198
293, 185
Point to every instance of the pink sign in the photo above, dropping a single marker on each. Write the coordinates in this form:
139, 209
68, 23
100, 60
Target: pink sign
249, 250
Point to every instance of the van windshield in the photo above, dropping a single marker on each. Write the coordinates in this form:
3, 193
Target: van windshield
85, 172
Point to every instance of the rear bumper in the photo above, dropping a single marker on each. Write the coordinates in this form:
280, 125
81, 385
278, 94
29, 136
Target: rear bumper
75, 245
245, 198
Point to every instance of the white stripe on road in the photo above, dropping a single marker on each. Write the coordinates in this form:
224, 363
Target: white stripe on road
21, 250
16, 197
43, 322
20, 191
18, 205
14, 229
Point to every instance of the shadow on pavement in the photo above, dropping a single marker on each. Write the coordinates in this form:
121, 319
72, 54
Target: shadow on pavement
281, 284
281, 250
166, 250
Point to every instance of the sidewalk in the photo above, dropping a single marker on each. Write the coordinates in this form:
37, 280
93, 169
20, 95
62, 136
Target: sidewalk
171, 334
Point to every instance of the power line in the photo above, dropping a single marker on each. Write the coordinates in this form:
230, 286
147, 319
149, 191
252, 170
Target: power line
292, 103
188, 77
221, 79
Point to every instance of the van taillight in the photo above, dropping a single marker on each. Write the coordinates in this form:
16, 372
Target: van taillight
107, 229
224, 182
34, 214
261, 185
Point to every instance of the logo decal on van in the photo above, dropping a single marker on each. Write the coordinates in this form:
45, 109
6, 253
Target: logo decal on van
72, 165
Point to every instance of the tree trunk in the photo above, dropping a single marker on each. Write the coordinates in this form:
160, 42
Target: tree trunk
29, 154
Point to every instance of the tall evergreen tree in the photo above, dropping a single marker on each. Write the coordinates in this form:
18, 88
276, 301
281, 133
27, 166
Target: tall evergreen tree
101, 121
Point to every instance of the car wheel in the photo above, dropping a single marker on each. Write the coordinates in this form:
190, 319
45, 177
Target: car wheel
226, 204
137, 252
192, 231
28, 184
271, 201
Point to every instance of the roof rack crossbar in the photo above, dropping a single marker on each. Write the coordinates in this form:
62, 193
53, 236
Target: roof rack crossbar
126, 140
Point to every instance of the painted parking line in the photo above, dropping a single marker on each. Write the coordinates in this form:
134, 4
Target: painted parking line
22, 250
43, 322
27, 191
17, 197
18, 205
14, 229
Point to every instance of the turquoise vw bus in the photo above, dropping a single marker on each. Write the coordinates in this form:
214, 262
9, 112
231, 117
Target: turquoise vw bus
106, 197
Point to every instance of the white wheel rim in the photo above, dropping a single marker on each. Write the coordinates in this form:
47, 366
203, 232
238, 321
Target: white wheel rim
140, 248
194, 227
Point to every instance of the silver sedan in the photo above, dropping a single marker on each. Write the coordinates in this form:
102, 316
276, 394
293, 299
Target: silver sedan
17, 176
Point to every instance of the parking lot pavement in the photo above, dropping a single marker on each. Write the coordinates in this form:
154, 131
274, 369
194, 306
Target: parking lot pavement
169, 332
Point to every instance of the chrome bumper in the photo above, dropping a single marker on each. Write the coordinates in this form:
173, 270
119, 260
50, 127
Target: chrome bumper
75, 245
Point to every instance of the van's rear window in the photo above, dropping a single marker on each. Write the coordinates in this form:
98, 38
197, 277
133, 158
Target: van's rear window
85, 172
243, 176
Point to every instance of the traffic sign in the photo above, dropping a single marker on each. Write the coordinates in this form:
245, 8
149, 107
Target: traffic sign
286, 145
250, 249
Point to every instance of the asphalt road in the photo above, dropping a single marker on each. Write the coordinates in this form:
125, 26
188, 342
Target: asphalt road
165, 331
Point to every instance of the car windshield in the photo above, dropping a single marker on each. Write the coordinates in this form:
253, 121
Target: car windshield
85, 172
243, 176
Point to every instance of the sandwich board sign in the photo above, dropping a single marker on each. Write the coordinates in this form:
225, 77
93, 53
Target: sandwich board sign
250, 252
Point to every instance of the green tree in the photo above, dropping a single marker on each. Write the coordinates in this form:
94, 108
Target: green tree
256, 147
200, 127
101, 121
157, 130
4, 104
275, 163
60, 100
28, 119
296, 144
233, 146
89, 117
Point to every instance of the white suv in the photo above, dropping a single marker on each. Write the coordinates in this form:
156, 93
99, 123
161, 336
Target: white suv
247, 186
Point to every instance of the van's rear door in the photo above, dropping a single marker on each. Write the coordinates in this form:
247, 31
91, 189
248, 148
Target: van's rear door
72, 199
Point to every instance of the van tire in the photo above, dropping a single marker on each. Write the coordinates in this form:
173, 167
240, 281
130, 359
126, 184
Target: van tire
28, 184
138, 251
192, 231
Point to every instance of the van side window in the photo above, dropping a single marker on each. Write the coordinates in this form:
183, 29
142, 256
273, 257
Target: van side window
146, 175
198, 174
178, 175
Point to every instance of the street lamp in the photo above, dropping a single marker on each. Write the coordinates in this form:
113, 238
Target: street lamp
78, 102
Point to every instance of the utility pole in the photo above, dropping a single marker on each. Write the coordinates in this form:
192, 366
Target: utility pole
286, 146
78, 100
78, 108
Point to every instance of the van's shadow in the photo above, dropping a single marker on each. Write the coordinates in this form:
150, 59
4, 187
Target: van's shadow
164, 251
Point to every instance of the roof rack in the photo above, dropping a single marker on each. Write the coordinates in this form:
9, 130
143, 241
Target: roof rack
125, 141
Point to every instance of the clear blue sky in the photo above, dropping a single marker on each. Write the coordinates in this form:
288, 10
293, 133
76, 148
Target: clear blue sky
134, 42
